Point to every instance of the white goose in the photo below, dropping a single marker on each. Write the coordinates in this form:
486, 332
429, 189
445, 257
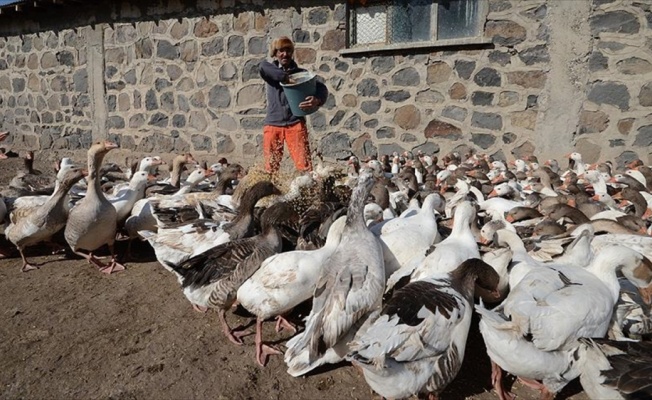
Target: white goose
447, 254
350, 286
124, 199
407, 239
284, 281
534, 332
416, 344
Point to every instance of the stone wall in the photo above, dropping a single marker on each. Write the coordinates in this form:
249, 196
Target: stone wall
183, 76
616, 118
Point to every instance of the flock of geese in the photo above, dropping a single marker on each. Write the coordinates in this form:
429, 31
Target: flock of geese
395, 255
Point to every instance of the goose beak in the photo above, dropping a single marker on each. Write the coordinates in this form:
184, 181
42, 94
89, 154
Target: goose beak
84, 172
110, 145
151, 177
493, 193
647, 214
509, 218
209, 172
646, 294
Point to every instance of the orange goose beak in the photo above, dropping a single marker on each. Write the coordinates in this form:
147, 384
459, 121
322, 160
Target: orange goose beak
110, 145
646, 294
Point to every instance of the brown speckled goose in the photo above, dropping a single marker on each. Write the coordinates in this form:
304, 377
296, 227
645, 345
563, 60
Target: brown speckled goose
615, 369
92, 222
416, 344
31, 225
211, 279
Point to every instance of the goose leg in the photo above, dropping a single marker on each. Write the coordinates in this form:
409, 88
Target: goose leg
497, 383
233, 336
262, 350
282, 323
114, 265
545, 393
26, 266
91, 259
199, 309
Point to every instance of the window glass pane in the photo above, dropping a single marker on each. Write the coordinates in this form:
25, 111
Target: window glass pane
371, 24
410, 21
457, 19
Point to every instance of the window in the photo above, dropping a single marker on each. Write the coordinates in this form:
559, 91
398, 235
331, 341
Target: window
390, 22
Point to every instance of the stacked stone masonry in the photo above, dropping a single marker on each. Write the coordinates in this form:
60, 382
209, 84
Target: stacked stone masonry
191, 83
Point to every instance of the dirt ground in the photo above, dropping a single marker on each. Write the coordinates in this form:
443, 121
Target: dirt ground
68, 331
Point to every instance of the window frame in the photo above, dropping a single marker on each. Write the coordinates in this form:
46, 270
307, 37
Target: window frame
473, 41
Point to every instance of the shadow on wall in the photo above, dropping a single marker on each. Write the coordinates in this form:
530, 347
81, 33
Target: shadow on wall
24, 18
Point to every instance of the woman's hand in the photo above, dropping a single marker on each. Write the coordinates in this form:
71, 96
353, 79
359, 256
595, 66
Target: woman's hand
309, 103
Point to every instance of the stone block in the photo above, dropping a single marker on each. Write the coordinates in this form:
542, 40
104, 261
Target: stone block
612, 93
644, 136
438, 72
523, 151
370, 107
487, 77
429, 96
228, 71
483, 140
335, 145
189, 51
615, 21
396, 96
593, 121
645, 95
464, 68
634, 66
368, 87
505, 33
625, 125
382, 64
219, 97
406, 77
223, 144
159, 119
407, 117
491, 121
457, 91
214, 47
349, 100
440, 129
201, 142
167, 50
524, 119
318, 16
625, 158
205, 28
385, 132
235, 46
334, 40
528, 79
454, 112
480, 98
535, 55
250, 95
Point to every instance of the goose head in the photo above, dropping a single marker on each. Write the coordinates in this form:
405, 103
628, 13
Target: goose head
71, 176
475, 272
490, 228
149, 162
632, 264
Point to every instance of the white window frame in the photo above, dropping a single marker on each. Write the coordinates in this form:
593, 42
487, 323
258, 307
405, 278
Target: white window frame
480, 39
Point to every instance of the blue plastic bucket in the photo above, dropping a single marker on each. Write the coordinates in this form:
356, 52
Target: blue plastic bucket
304, 85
